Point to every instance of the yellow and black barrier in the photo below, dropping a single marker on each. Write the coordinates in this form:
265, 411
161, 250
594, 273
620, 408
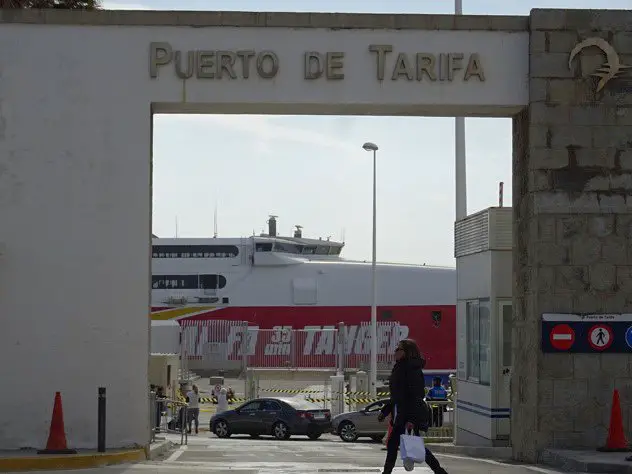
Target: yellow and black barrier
213, 399
346, 400
379, 394
274, 390
359, 400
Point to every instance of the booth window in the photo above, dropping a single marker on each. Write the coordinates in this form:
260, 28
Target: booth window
478, 339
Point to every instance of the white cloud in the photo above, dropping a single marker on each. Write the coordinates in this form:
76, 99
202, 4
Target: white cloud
264, 130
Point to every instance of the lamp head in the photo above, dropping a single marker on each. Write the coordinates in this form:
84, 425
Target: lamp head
368, 146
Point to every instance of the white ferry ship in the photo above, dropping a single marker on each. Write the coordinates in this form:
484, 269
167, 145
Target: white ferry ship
275, 282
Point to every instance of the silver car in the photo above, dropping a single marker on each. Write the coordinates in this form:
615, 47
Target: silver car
363, 423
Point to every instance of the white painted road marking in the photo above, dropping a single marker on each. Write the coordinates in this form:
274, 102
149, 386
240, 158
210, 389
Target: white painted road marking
177, 453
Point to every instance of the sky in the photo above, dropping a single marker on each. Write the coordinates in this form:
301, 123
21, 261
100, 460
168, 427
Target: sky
312, 171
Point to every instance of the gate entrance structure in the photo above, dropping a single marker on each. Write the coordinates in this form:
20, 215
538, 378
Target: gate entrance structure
77, 94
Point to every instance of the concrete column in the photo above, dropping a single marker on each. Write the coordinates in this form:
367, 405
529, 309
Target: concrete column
353, 387
573, 227
337, 394
251, 385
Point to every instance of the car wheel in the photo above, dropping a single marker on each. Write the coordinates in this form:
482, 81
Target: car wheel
377, 438
221, 429
348, 432
280, 430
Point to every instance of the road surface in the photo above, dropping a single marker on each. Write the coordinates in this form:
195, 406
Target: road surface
243, 455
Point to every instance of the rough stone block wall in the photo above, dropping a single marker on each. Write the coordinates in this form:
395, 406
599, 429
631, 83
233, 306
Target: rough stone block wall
573, 229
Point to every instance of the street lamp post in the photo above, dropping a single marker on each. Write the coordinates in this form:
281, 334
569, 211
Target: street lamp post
373, 334
459, 152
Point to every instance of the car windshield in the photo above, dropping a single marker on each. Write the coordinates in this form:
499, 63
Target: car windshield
299, 404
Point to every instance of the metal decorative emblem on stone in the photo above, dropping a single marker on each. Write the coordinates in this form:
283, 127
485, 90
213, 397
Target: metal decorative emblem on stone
611, 69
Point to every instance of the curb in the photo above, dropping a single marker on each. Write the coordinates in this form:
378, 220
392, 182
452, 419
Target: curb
575, 463
484, 452
70, 461
159, 448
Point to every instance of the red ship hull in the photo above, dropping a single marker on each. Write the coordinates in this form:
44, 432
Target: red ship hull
433, 327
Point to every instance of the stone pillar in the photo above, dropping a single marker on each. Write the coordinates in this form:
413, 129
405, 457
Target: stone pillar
572, 200
252, 386
337, 394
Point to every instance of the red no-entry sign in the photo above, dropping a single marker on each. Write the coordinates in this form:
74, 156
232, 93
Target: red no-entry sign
562, 337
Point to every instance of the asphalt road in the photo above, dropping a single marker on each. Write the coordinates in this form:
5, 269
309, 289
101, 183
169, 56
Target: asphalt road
243, 455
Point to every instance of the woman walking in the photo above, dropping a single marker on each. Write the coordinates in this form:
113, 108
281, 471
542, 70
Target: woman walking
407, 405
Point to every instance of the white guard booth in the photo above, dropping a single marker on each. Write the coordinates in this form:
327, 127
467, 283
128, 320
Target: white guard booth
164, 357
483, 252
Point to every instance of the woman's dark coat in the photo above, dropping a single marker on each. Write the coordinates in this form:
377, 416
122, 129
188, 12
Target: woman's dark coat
407, 386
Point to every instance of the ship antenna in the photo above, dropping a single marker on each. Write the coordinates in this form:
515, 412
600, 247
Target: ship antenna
343, 235
176, 227
215, 222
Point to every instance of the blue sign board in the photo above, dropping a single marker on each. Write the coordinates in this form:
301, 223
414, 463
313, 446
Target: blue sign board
586, 333
628, 337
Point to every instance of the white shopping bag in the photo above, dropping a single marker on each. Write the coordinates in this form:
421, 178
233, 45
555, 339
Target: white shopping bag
412, 448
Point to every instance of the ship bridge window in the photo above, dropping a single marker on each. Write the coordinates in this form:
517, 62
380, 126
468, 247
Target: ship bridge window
188, 282
334, 251
212, 282
285, 248
264, 247
322, 250
174, 282
309, 250
194, 251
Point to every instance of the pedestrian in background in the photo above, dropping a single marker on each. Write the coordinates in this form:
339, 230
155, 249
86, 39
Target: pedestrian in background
222, 400
193, 411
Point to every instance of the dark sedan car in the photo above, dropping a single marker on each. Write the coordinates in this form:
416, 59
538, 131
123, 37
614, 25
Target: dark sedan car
279, 417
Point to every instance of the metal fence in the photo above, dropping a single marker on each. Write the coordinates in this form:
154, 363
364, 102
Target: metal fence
441, 420
283, 347
221, 344
388, 335
167, 416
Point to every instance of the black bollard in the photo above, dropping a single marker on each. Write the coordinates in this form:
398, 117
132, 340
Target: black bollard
101, 421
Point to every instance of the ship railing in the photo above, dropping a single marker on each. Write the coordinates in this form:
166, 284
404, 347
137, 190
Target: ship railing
175, 300
218, 343
322, 348
233, 345
295, 348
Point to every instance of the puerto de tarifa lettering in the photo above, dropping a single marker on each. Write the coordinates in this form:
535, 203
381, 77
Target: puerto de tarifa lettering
266, 64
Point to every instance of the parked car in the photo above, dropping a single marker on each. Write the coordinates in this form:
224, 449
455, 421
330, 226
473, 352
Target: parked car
279, 417
362, 423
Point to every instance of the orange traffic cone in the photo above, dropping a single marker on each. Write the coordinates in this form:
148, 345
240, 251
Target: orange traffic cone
616, 437
57, 436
